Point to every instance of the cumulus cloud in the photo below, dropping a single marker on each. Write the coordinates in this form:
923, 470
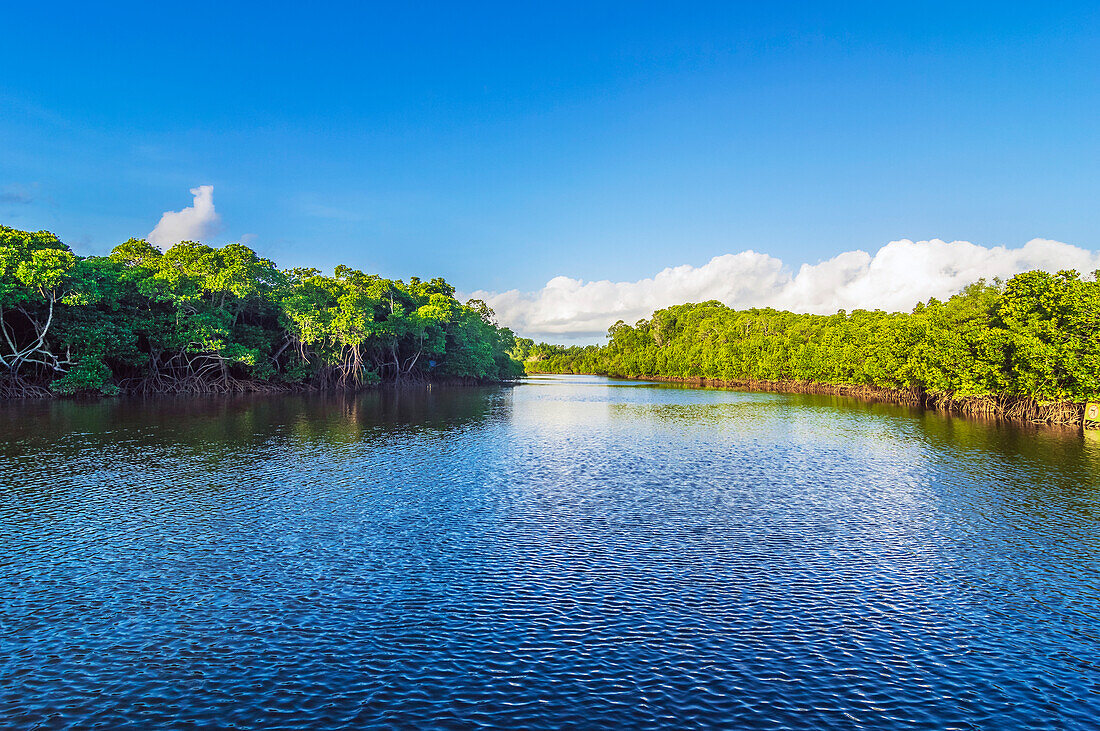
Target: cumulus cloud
894, 278
193, 223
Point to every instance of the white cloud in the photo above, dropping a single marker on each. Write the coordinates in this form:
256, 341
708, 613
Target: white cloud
895, 278
193, 223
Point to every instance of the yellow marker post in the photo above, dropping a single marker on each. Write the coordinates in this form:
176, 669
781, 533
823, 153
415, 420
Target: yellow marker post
1092, 416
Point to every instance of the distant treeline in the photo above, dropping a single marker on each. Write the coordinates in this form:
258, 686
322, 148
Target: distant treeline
203, 319
1024, 344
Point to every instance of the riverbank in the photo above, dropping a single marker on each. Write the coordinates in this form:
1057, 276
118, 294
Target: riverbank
1027, 349
1016, 408
237, 387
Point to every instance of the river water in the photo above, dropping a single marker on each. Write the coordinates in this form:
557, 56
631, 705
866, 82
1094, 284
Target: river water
574, 552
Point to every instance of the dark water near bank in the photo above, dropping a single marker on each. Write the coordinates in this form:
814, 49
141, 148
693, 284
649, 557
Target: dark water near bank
573, 553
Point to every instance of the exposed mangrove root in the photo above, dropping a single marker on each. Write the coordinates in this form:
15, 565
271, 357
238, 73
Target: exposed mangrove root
165, 384
1016, 408
19, 388
160, 384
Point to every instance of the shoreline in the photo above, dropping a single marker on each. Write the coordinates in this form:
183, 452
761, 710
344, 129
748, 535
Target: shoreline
247, 388
1010, 408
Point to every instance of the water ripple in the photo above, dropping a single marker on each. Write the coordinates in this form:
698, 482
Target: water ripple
570, 554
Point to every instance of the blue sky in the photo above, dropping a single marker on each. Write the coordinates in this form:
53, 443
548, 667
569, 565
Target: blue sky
502, 144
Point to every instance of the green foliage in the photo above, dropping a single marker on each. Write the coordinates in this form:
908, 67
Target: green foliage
90, 375
198, 318
1037, 335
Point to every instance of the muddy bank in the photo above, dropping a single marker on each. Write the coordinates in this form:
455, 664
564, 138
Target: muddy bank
1020, 408
22, 390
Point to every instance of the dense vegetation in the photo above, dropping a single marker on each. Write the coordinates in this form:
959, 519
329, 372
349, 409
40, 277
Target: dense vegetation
197, 318
1036, 337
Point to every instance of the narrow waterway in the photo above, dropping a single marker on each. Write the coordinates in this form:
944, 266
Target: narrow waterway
573, 552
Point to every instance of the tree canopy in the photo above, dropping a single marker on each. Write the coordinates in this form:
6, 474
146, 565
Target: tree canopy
200, 318
1037, 335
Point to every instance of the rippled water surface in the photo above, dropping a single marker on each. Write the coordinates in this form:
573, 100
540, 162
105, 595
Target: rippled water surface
570, 553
